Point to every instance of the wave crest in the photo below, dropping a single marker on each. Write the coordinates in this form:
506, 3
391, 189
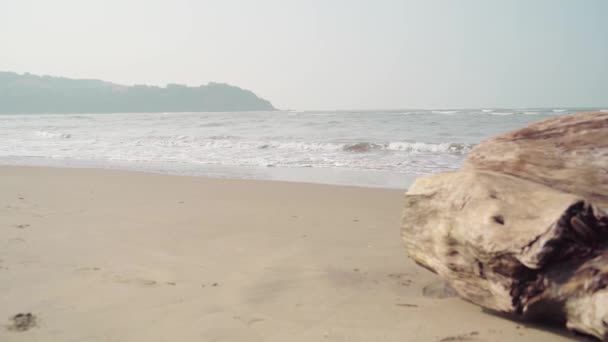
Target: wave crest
361, 147
429, 147
404, 146
235, 143
53, 135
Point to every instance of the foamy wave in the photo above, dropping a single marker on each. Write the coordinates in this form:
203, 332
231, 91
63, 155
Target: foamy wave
428, 147
362, 147
217, 143
445, 112
404, 146
365, 147
223, 137
383, 141
53, 135
301, 146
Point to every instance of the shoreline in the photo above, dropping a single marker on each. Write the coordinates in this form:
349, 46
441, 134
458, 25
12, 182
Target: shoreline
373, 179
99, 255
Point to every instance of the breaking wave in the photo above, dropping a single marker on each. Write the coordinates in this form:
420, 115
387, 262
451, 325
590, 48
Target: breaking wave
236, 144
367, 147
428, 147
361, 147
403, 146
445, 112
53, 135
412, 141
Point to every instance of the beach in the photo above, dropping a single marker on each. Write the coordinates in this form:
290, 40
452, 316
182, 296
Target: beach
106, 255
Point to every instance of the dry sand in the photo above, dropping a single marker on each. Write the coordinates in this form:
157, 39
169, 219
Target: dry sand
98, 255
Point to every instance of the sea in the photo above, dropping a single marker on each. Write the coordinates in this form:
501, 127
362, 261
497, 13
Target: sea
383, 148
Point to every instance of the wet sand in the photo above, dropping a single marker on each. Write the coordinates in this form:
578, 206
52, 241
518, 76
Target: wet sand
99, 255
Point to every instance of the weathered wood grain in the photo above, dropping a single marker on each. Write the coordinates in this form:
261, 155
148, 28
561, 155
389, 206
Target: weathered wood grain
568, 153
521, 229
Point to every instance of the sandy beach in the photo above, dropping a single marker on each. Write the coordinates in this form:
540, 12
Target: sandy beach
99, 255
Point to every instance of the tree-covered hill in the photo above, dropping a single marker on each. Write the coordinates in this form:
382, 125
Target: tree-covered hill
27, 93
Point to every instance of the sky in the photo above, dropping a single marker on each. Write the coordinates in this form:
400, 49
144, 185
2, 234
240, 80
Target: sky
326, 54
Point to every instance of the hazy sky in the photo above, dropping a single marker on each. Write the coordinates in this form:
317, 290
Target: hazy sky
326, 54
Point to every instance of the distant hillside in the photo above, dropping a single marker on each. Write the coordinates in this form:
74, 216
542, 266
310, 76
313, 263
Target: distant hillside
45, 94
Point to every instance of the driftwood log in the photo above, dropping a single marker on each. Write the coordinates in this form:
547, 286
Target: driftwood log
568, 153
521, 229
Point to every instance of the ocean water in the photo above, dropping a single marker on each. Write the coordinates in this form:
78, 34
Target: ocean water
362, 148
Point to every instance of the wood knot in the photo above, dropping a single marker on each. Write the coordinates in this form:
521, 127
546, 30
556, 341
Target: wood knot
499, 219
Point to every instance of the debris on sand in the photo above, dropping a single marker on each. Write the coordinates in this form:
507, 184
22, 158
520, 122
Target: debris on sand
22, 322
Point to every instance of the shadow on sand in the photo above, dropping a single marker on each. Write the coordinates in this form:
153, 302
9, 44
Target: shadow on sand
552, 327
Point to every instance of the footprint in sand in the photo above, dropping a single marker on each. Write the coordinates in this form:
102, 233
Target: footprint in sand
254, 321
22, 322
143, 282
249, 322
213, 285
400, 277
472, 336
87, 269
397, 275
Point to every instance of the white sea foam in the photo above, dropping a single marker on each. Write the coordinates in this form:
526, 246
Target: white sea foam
353, 147
427, 147
294, 145
445, 112
394, 141
53, 135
